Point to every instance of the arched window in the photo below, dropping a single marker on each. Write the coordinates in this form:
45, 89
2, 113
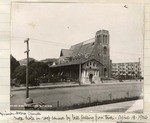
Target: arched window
105, 39
105, 50
99, 38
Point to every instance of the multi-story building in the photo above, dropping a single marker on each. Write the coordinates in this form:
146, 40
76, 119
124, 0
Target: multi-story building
127, 70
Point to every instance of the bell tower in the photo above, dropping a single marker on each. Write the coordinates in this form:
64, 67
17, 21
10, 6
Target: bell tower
103, 49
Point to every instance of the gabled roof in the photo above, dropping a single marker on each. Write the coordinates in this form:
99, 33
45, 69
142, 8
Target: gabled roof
82, 48
65, 52
75, 62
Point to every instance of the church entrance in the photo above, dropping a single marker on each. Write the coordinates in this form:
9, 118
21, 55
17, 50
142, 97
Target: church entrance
91, 78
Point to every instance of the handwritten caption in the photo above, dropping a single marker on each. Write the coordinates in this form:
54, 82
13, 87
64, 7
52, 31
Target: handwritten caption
78, 117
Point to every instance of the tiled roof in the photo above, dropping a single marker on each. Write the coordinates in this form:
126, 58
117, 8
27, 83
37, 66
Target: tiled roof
82, 48
74, 62
80, 53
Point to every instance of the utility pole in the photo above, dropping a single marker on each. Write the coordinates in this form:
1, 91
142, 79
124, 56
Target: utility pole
27, 78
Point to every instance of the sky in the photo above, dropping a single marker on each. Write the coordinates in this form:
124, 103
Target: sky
55, 26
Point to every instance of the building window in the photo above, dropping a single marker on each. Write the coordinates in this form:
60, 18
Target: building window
87, 64
105, 39
105, 50
93, 64
99, 39
93, 44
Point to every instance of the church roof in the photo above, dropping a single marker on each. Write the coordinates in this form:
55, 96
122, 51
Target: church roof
83, 48
65, 52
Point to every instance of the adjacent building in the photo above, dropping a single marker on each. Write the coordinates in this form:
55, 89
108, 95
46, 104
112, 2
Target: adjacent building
129, 70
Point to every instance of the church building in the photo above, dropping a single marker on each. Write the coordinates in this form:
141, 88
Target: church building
86, 62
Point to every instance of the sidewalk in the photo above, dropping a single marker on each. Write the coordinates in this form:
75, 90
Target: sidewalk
73, 85
135, 106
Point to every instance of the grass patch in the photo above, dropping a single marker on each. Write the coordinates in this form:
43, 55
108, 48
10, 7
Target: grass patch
95, 103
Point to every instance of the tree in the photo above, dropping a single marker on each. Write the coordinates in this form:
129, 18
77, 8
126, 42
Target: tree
20, 74
36, 70
14, 64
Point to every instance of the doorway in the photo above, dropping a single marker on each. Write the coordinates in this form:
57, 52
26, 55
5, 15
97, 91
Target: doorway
91, 78
105, 72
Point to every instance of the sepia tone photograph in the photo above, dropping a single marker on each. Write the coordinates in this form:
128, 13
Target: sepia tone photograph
78, 57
